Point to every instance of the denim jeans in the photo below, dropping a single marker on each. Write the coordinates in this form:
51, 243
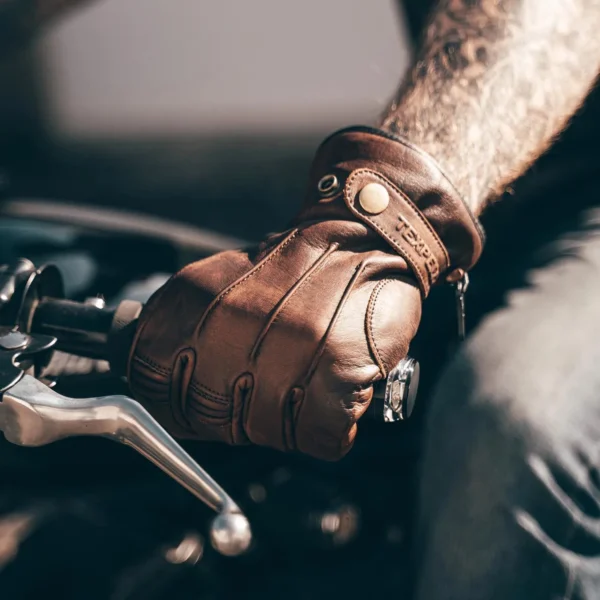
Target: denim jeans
510, 480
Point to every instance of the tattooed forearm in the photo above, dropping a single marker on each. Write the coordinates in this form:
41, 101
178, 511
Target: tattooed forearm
494, 82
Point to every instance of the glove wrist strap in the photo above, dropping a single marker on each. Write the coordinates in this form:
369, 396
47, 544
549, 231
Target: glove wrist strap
400, 193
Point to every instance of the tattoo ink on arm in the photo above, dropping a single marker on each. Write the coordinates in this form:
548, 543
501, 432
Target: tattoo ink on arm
493, 84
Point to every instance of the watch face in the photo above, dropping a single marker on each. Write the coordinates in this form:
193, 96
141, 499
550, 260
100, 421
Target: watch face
394, 398
398, 399
413, 373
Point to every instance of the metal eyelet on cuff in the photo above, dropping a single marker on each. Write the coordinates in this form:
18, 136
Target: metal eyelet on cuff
328, 185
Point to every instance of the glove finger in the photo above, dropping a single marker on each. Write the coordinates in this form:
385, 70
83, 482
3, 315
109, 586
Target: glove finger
225, 336
169, 319
288, 344
164, 335
228, 331
325, 425
338, 391
356, 354
391, 322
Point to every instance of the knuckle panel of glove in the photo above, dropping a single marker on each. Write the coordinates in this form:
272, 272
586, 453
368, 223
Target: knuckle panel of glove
325, 423
339, 390
391, 321
157, 375
382, 312
289, 347
153, 390
148, 383
230, 331
168, 324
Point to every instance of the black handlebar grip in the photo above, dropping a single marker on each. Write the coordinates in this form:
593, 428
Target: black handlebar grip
80, 328
89, 330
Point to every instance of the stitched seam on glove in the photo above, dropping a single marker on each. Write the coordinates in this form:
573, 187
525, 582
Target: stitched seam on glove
217, 300
422, 276
287, 297
419, 214
206, 417
423, 283
369, 326
338, 310
147, 362
424, 286
208, 393
380, 133
157, 392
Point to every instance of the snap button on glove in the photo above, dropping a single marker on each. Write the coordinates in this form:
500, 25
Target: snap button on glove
281, 346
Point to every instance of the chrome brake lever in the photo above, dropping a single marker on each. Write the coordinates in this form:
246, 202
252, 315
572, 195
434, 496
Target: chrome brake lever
31, 414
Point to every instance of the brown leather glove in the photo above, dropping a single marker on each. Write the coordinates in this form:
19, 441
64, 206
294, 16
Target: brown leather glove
280, 346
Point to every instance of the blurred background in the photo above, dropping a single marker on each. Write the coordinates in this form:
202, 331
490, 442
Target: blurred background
206, 112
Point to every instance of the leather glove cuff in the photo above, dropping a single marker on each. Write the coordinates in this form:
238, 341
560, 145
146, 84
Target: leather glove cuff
401, 194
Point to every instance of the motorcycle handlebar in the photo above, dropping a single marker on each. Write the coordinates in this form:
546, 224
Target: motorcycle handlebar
90, 329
